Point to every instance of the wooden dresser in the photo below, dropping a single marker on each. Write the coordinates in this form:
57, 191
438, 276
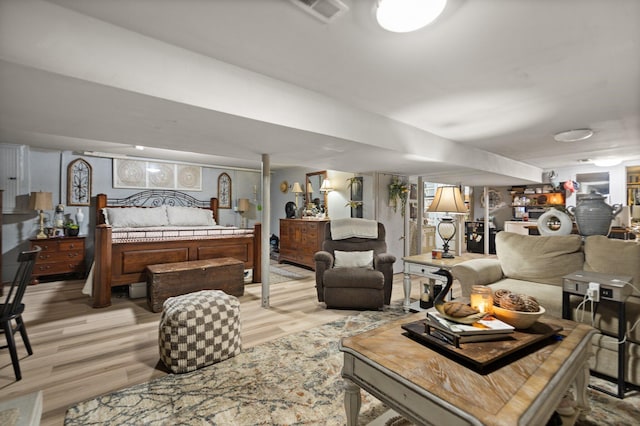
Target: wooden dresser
300, 239
61, 255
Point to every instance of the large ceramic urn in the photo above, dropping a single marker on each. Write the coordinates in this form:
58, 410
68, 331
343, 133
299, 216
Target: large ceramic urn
593, 216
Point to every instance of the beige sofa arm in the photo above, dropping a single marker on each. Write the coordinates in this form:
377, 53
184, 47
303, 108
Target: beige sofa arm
476, 272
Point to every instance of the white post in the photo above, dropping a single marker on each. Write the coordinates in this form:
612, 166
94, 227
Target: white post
266, 228
487, 231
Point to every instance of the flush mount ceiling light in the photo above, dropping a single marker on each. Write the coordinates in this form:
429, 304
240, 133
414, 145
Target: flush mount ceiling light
607, 162
402, 16
573, 135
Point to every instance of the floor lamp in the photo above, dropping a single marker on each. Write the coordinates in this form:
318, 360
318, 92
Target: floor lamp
41, 201
448, 199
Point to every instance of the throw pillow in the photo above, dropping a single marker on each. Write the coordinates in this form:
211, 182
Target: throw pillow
189, 216
353, 259
137, 217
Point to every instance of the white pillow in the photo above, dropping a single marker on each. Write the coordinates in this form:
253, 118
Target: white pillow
137, 217
353, 259
189, 216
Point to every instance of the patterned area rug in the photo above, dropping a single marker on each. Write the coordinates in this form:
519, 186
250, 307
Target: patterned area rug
294, 380
280, 275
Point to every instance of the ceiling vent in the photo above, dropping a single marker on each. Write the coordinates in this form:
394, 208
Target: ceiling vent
324, 10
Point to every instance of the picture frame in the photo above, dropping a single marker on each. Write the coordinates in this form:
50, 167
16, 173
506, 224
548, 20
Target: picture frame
224, 191
79, 183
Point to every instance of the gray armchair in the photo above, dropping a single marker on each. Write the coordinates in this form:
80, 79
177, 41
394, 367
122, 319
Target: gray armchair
354, 287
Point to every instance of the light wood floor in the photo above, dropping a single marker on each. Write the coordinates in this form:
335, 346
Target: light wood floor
80, 352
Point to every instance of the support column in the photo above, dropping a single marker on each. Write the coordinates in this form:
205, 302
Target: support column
266, 227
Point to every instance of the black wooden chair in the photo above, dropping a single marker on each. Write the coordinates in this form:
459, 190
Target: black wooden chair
12, 309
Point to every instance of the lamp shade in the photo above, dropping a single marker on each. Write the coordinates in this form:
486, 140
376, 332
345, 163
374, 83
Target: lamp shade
326, 186
448, 199
296, 188
243, 204
309, 188
41, 201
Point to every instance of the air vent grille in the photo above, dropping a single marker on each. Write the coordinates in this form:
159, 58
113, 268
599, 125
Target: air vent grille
324, 10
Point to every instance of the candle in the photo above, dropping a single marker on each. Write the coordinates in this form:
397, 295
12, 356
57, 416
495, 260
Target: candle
481, 299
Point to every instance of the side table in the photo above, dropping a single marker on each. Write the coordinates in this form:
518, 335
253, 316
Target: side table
613, 289
425, 266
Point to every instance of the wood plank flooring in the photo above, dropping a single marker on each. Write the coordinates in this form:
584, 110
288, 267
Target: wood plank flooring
81, 352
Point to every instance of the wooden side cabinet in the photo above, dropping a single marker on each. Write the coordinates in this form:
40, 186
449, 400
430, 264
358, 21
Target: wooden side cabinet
300, 239
61, 255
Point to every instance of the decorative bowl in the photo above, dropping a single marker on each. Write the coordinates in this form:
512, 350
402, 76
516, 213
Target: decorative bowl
517, 319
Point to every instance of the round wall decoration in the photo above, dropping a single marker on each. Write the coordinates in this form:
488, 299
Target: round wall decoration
495, 198
284, 186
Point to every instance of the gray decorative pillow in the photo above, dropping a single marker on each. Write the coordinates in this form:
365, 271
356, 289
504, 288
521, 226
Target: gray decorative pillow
189, 216
137, 217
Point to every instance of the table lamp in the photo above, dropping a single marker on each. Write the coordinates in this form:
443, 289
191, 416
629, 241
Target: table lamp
243, 206
297, 189
41, 201
326, 188
448, 199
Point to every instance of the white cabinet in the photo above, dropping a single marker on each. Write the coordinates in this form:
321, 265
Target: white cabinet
518, 227
14, 178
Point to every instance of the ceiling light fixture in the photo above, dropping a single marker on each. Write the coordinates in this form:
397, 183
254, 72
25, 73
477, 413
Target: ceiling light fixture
403, 16
607, 162
573, 135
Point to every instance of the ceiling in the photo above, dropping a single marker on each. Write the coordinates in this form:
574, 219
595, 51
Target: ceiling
474, 98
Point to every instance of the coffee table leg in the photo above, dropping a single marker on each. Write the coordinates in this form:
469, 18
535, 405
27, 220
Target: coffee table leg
581, 381
406, 286
352, 401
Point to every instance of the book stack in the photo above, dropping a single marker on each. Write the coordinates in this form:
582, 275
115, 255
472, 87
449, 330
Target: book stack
488, 328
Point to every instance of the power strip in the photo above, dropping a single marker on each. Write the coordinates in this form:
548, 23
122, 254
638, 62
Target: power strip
593, 292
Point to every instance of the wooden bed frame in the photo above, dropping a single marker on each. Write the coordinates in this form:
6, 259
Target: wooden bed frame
125, 263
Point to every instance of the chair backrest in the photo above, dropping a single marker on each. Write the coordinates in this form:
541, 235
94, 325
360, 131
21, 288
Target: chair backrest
26, 260
378, 245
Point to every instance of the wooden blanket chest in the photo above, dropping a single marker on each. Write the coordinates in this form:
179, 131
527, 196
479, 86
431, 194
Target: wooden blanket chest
173, 279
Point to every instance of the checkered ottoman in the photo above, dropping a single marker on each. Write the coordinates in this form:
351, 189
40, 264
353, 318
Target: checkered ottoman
199, 329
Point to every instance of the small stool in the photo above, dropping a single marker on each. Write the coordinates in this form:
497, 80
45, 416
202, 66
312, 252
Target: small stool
199, 329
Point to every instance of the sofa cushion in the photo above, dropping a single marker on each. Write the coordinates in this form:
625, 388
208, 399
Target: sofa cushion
540, 259
611, 256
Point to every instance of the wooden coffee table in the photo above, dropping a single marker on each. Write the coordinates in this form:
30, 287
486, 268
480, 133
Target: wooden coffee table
427, 387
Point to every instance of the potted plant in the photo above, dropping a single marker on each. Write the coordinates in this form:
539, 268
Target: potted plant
71, 229
398, 190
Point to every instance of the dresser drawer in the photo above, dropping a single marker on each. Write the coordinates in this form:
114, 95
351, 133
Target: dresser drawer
57, 268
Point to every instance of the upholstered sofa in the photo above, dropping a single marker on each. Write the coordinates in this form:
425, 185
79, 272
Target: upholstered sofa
535, 265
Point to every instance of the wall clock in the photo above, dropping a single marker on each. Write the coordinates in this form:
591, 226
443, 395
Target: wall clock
79, 183
224, 191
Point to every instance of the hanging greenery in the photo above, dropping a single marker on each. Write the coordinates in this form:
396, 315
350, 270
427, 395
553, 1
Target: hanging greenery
398, 191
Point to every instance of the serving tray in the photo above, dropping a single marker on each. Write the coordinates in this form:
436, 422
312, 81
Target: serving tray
486, 356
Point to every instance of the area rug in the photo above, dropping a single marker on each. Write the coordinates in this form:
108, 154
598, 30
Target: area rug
294, 380
280, 275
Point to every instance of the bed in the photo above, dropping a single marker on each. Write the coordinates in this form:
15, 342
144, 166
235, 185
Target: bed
162, 226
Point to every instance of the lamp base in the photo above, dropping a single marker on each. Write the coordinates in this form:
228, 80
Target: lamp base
448, 256
41, 235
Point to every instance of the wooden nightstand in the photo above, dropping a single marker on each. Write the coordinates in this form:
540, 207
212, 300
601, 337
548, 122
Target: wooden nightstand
59, 255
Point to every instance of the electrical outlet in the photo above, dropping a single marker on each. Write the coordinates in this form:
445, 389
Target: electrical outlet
593, 292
